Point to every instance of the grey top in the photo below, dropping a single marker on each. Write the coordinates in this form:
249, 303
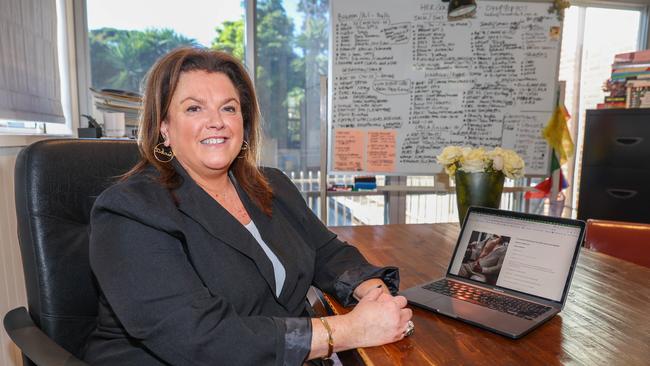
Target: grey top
278, 269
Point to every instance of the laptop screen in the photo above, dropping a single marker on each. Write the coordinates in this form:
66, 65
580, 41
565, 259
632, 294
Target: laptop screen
526, 253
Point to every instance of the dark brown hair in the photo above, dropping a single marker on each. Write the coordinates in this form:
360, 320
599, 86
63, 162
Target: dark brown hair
160, 84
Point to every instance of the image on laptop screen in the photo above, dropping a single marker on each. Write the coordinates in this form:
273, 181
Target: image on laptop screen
520, 254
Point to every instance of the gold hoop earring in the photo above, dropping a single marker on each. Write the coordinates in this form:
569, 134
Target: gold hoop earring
242, 152
162, 155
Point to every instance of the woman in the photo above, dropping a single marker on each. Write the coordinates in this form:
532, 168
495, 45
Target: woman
203, 258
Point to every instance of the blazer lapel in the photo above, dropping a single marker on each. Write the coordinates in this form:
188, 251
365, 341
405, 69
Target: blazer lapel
273, 230
198, 205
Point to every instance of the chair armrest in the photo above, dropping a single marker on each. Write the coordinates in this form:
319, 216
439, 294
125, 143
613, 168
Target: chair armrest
35, 344
318, 304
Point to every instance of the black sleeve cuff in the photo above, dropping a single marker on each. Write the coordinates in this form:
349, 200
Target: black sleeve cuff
350, 279
297, 340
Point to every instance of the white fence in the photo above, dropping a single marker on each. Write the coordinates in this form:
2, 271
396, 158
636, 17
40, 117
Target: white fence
371, 207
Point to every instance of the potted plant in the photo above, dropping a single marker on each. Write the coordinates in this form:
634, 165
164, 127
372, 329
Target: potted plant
479, 174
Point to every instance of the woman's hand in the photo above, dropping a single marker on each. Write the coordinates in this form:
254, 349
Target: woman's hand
377, 319
366, 286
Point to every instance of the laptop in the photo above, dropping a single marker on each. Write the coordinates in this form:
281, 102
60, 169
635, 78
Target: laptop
510, 271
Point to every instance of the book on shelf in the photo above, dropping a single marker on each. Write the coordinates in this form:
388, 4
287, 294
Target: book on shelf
113, 100
633, 57
611, 105
638, 94
629, 82
630, 67
612, 99
631, 75
638, 83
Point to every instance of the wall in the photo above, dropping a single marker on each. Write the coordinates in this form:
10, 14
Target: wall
12, 284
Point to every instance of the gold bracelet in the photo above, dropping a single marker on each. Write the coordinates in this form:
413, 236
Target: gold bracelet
330, 340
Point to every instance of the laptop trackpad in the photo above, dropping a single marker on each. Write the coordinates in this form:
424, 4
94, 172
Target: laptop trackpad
482, 316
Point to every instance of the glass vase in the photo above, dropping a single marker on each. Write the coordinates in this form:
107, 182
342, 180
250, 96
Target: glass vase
477, 189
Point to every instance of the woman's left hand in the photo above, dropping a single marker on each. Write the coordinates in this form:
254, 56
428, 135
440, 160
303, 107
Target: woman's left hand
368, 285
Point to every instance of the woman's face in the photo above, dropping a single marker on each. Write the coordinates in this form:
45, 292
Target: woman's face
204, 125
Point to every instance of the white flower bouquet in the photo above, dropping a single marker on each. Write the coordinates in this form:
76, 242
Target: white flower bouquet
474, 160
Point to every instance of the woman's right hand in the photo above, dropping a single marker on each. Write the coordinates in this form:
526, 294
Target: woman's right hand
378, 319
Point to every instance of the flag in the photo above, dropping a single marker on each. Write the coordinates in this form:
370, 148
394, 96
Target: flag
543, 188
557, 134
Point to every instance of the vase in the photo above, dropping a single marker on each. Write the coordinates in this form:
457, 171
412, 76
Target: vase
477, 189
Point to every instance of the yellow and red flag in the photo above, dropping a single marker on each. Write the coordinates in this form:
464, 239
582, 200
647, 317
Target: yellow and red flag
557, 134
558, 137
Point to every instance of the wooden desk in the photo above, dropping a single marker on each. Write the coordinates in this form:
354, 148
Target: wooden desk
606, 320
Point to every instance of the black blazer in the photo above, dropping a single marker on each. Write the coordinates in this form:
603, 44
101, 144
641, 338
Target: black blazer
182, 282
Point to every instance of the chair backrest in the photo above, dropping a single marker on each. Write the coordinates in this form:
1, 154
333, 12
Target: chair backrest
626, 240
56, 184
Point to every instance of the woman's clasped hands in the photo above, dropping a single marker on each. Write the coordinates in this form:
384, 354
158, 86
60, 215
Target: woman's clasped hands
379, 318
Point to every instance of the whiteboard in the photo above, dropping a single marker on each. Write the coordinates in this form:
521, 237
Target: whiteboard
405, 82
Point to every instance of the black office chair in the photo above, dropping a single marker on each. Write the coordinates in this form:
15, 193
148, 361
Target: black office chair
56, 184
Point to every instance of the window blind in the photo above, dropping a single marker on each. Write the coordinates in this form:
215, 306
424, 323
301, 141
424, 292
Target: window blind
29, 73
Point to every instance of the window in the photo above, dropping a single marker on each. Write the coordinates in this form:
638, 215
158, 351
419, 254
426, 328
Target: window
43, 102
126, 37
290, 53
591, 37
291, 43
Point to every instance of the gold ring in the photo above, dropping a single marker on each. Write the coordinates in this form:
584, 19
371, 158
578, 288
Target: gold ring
410, 329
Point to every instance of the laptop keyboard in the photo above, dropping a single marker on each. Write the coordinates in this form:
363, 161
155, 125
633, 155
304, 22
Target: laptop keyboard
489, 299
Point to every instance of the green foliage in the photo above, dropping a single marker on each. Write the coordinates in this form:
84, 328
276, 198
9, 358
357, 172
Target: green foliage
121, 58
288, 66
230, 38
275, 74
314, 37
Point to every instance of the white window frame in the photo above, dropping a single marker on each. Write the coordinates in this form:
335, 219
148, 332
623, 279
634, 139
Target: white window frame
642, 43
10, 137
